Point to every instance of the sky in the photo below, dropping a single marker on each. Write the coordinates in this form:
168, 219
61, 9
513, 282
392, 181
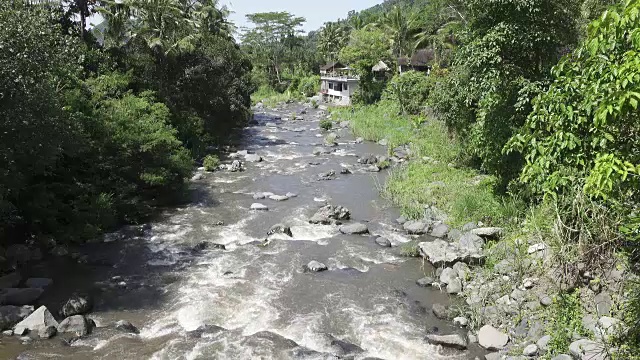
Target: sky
316, 12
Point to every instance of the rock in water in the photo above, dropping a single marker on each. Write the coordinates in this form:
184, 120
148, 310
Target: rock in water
259, 196
11, 315
76, 324
315, 266
77, 305
440, 311
383, 241
252, 158
328, 214
440, 231
38, 321
259, 207
331, 175
235, 166
425, 281
280, 229
454, 341
125, 326
492, 339
488, 232
48, 332
15, 296
278, 197
354, 229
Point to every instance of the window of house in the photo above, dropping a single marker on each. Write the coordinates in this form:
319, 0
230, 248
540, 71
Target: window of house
338, 87
330, 86
346, 87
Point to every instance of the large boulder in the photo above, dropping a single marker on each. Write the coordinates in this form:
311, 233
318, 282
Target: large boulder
76, 324
15, 296
491, 338
470, 243
416, 227
76, 305
330, 214
441, 253
235, 166
355, 228
10, 280
11, 315
127, 327
383, 241
585, 349
454, 341
39, 321
440, 231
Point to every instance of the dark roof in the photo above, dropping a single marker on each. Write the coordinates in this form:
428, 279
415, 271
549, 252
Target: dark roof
332, 65
422, 57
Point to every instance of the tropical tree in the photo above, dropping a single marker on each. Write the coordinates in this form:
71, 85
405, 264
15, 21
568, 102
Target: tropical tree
333, 37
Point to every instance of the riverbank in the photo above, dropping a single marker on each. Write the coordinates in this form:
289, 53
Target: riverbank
522, 300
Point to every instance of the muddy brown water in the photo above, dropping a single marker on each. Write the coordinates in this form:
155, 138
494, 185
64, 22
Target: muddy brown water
267, 306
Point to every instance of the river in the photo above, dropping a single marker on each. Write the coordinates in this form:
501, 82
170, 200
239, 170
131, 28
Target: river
258, 301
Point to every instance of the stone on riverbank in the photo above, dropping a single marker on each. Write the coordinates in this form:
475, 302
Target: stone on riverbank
383, 241
441, 253
415, 227
38, 321
425, 281
440, 311
76, 305
354, 229
492, 339
530, 350
278, 197
315, 266
488, 232
454, 341
440, 231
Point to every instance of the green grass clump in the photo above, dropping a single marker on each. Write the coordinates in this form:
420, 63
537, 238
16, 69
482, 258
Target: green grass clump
270, 98
326, 125
565, 319
410, 249
211, 162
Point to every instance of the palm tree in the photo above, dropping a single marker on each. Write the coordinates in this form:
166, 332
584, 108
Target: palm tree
333, 37
400, 24
449, 22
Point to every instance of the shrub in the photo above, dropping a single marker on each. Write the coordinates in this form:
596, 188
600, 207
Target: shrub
410, 249
326, 125
309, 86
410, 90
211, 162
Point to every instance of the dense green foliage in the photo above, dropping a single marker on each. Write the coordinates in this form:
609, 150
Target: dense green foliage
96, 135
410, 90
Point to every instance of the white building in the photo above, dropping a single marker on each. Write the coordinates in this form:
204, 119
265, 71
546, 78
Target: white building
337, 84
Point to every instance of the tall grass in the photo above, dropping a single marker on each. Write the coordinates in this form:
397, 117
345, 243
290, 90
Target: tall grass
434, 176
269, 97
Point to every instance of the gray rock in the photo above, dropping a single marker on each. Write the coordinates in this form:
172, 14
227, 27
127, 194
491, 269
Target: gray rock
291, 195
530, 350
345, 171
488, 232
259, 196
259, 207
543, 343
415, 227
342, 348
7, 333
462, 270
315, 266
278, 197
373, 168
11, 315
253, 158
330, 175
585, 349
461, 321
545, 300
16, 296
235, 166
359, 140
329, 214
603, 303
469, 226
40, 283
196, 177
454, 341
536, 247
454, 287
590, 323
492, 339
440, 311
76, 324
39, 320
10, 280
127, 327
401, 220
320, 151
493, 356
454, 235
280, 229
355, 228
608, 325
562, 357
518, 295
76, 305
440, 231
440, 252
383, 241
471, 243
47, 332
425, 281
448, 275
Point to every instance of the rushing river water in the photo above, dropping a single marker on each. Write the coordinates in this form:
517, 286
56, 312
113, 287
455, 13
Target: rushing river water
258, 301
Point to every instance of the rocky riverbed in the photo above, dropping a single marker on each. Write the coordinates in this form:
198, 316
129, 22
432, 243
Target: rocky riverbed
285, 252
